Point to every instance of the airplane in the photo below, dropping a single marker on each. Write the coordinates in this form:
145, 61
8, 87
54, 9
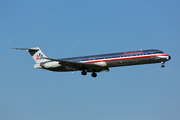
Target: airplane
96, 63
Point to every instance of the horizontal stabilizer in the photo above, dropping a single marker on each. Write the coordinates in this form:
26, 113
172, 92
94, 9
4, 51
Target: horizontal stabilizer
36, 54
25, 49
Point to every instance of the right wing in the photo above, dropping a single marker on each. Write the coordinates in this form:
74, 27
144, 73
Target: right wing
80, 66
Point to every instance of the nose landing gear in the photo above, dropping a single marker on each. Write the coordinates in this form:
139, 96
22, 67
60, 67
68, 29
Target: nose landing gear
163, 64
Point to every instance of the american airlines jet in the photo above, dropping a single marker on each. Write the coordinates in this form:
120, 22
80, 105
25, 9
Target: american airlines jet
96, 63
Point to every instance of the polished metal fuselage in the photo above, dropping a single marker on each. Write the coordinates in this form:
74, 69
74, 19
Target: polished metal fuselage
117, 59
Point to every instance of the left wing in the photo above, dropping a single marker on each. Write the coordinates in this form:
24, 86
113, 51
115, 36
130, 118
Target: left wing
80, 66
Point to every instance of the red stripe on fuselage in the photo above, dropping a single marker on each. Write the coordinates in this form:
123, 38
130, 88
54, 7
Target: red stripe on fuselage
126, 58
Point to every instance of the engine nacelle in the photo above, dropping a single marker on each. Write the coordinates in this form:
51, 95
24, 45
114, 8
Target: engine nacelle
102, 64
53, 64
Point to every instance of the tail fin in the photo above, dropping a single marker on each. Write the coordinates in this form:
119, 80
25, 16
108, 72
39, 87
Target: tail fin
36, 54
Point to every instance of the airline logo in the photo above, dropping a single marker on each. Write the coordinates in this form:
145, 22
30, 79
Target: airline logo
130, 53
39, 57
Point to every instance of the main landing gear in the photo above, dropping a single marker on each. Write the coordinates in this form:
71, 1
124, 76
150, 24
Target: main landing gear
85, 73
163, 64
94, 74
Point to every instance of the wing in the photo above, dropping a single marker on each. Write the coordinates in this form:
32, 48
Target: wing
80, 66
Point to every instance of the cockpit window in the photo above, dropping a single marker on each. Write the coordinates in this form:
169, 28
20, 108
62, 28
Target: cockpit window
159, 52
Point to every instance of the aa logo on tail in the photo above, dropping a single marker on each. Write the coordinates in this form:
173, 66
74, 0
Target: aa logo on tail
39, 57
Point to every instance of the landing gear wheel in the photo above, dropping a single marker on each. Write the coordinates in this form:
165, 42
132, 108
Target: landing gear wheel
83, 72
163, 64
94, 74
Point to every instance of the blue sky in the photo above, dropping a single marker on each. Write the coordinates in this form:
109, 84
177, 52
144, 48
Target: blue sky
77, 28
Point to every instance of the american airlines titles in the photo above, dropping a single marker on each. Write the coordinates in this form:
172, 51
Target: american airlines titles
130, 53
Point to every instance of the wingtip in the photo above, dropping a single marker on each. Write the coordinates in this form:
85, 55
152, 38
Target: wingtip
14, 48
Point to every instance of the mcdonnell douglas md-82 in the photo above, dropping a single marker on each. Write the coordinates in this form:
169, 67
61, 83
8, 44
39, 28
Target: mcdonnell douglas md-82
96, 63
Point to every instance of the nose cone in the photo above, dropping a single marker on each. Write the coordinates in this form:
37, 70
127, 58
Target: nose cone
169, 57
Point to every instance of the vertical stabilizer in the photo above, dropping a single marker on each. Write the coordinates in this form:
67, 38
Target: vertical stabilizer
36, 54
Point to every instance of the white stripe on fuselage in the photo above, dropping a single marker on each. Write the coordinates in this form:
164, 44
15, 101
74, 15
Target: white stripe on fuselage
127, 58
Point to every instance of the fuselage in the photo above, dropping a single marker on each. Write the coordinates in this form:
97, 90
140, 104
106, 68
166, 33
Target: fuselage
96, 63
118, 59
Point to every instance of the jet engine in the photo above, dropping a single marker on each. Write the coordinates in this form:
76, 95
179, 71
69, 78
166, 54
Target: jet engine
102, 64
53, 64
